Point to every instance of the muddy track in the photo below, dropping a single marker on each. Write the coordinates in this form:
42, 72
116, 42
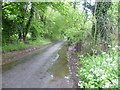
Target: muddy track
72, 65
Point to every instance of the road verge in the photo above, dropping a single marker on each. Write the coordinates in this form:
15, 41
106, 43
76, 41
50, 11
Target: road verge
72, 65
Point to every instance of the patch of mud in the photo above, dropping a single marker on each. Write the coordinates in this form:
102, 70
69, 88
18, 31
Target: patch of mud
72, 65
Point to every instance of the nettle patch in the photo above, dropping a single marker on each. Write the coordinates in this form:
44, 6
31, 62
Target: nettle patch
99, 71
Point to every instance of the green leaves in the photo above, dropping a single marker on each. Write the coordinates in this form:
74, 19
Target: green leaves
52, 20
99, 71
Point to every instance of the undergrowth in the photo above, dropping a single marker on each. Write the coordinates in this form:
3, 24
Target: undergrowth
99, 71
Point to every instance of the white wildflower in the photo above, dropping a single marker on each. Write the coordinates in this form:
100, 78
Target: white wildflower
66, 77
109, 45
115, 81
116, 46
113, 65
109, 59
113, 48
80, 81
104, 63
91, 70
100, 70
92, 86
80, 84
52, 76
107, 84
81, 56
90, 76
103, 52
103, 77
116, 57
97, 74
111, 68
95, 71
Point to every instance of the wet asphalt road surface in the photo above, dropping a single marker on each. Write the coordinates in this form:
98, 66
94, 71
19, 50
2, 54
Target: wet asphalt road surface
33, 73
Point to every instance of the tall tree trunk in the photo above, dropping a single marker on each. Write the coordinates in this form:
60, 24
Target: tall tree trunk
85, 5
29, 22
22, 24
20, 36
100, 23
119, 24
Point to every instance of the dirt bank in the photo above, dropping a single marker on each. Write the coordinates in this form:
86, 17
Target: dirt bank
72, 65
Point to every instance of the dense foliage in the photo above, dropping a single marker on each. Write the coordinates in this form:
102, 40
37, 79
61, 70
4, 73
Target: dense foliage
32, 20
99, 71
24, 22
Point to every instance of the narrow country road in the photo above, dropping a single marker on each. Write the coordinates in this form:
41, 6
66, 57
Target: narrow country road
33, 73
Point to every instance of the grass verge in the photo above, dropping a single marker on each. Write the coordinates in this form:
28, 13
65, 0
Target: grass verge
21, 45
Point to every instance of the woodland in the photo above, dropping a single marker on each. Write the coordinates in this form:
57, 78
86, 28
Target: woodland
91, 27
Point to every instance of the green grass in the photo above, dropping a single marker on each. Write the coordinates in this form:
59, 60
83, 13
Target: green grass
99, 71
21, 45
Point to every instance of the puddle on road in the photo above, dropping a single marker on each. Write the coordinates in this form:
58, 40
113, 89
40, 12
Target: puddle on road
59, 70
60, 67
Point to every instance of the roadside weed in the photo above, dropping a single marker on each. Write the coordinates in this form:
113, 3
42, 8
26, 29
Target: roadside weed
99, 71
